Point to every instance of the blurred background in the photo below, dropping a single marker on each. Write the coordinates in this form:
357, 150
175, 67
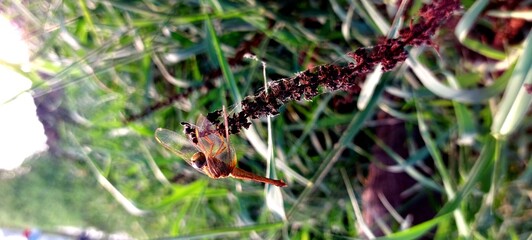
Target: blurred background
84, 84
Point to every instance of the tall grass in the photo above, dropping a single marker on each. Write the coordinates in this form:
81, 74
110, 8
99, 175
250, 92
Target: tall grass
121, 69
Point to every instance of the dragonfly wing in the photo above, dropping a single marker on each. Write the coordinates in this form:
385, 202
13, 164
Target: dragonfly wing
176, 143
228, 155
204, 126
214, 144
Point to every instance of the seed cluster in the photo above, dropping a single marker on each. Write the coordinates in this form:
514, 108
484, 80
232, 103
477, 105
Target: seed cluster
305, 85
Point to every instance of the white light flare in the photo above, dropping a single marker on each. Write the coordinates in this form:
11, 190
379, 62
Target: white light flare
21, 133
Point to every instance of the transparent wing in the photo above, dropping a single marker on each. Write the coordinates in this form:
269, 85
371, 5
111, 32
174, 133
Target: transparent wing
204, 127
213, 144
177, 144
217, 146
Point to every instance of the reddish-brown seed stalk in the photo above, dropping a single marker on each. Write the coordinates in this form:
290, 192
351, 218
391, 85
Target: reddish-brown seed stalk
388, 52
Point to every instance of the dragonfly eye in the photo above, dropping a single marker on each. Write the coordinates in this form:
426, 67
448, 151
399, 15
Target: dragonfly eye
198, 160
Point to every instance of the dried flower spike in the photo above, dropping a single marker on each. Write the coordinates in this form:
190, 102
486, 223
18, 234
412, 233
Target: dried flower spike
389, 53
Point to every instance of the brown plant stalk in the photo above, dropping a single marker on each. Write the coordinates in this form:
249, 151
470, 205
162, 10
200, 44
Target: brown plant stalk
305, 85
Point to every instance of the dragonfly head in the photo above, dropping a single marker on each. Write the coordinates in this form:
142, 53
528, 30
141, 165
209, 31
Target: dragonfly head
198, 160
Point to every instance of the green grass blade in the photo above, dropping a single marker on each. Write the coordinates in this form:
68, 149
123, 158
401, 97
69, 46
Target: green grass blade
309, 126
355, 205
353, 128
516, 100
229, 231
442, 170
381, 23
432, 83
464, 26
526, 15
416, 231
481, 167
405, 166
222, 61
274, 196
128, 205
464, 118
468, 19
484, 49
369, 86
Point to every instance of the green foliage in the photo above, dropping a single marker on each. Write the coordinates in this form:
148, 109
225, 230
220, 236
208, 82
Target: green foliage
110, 60
58, 193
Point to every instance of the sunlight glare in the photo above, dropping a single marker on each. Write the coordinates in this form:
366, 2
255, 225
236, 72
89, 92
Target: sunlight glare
21, 133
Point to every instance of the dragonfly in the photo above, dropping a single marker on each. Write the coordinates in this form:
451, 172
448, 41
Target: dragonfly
208, 151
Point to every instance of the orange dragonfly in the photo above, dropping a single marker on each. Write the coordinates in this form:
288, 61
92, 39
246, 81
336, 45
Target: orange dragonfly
208, 151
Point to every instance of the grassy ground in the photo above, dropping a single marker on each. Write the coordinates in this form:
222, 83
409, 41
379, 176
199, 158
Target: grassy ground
109, 73
56, 193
